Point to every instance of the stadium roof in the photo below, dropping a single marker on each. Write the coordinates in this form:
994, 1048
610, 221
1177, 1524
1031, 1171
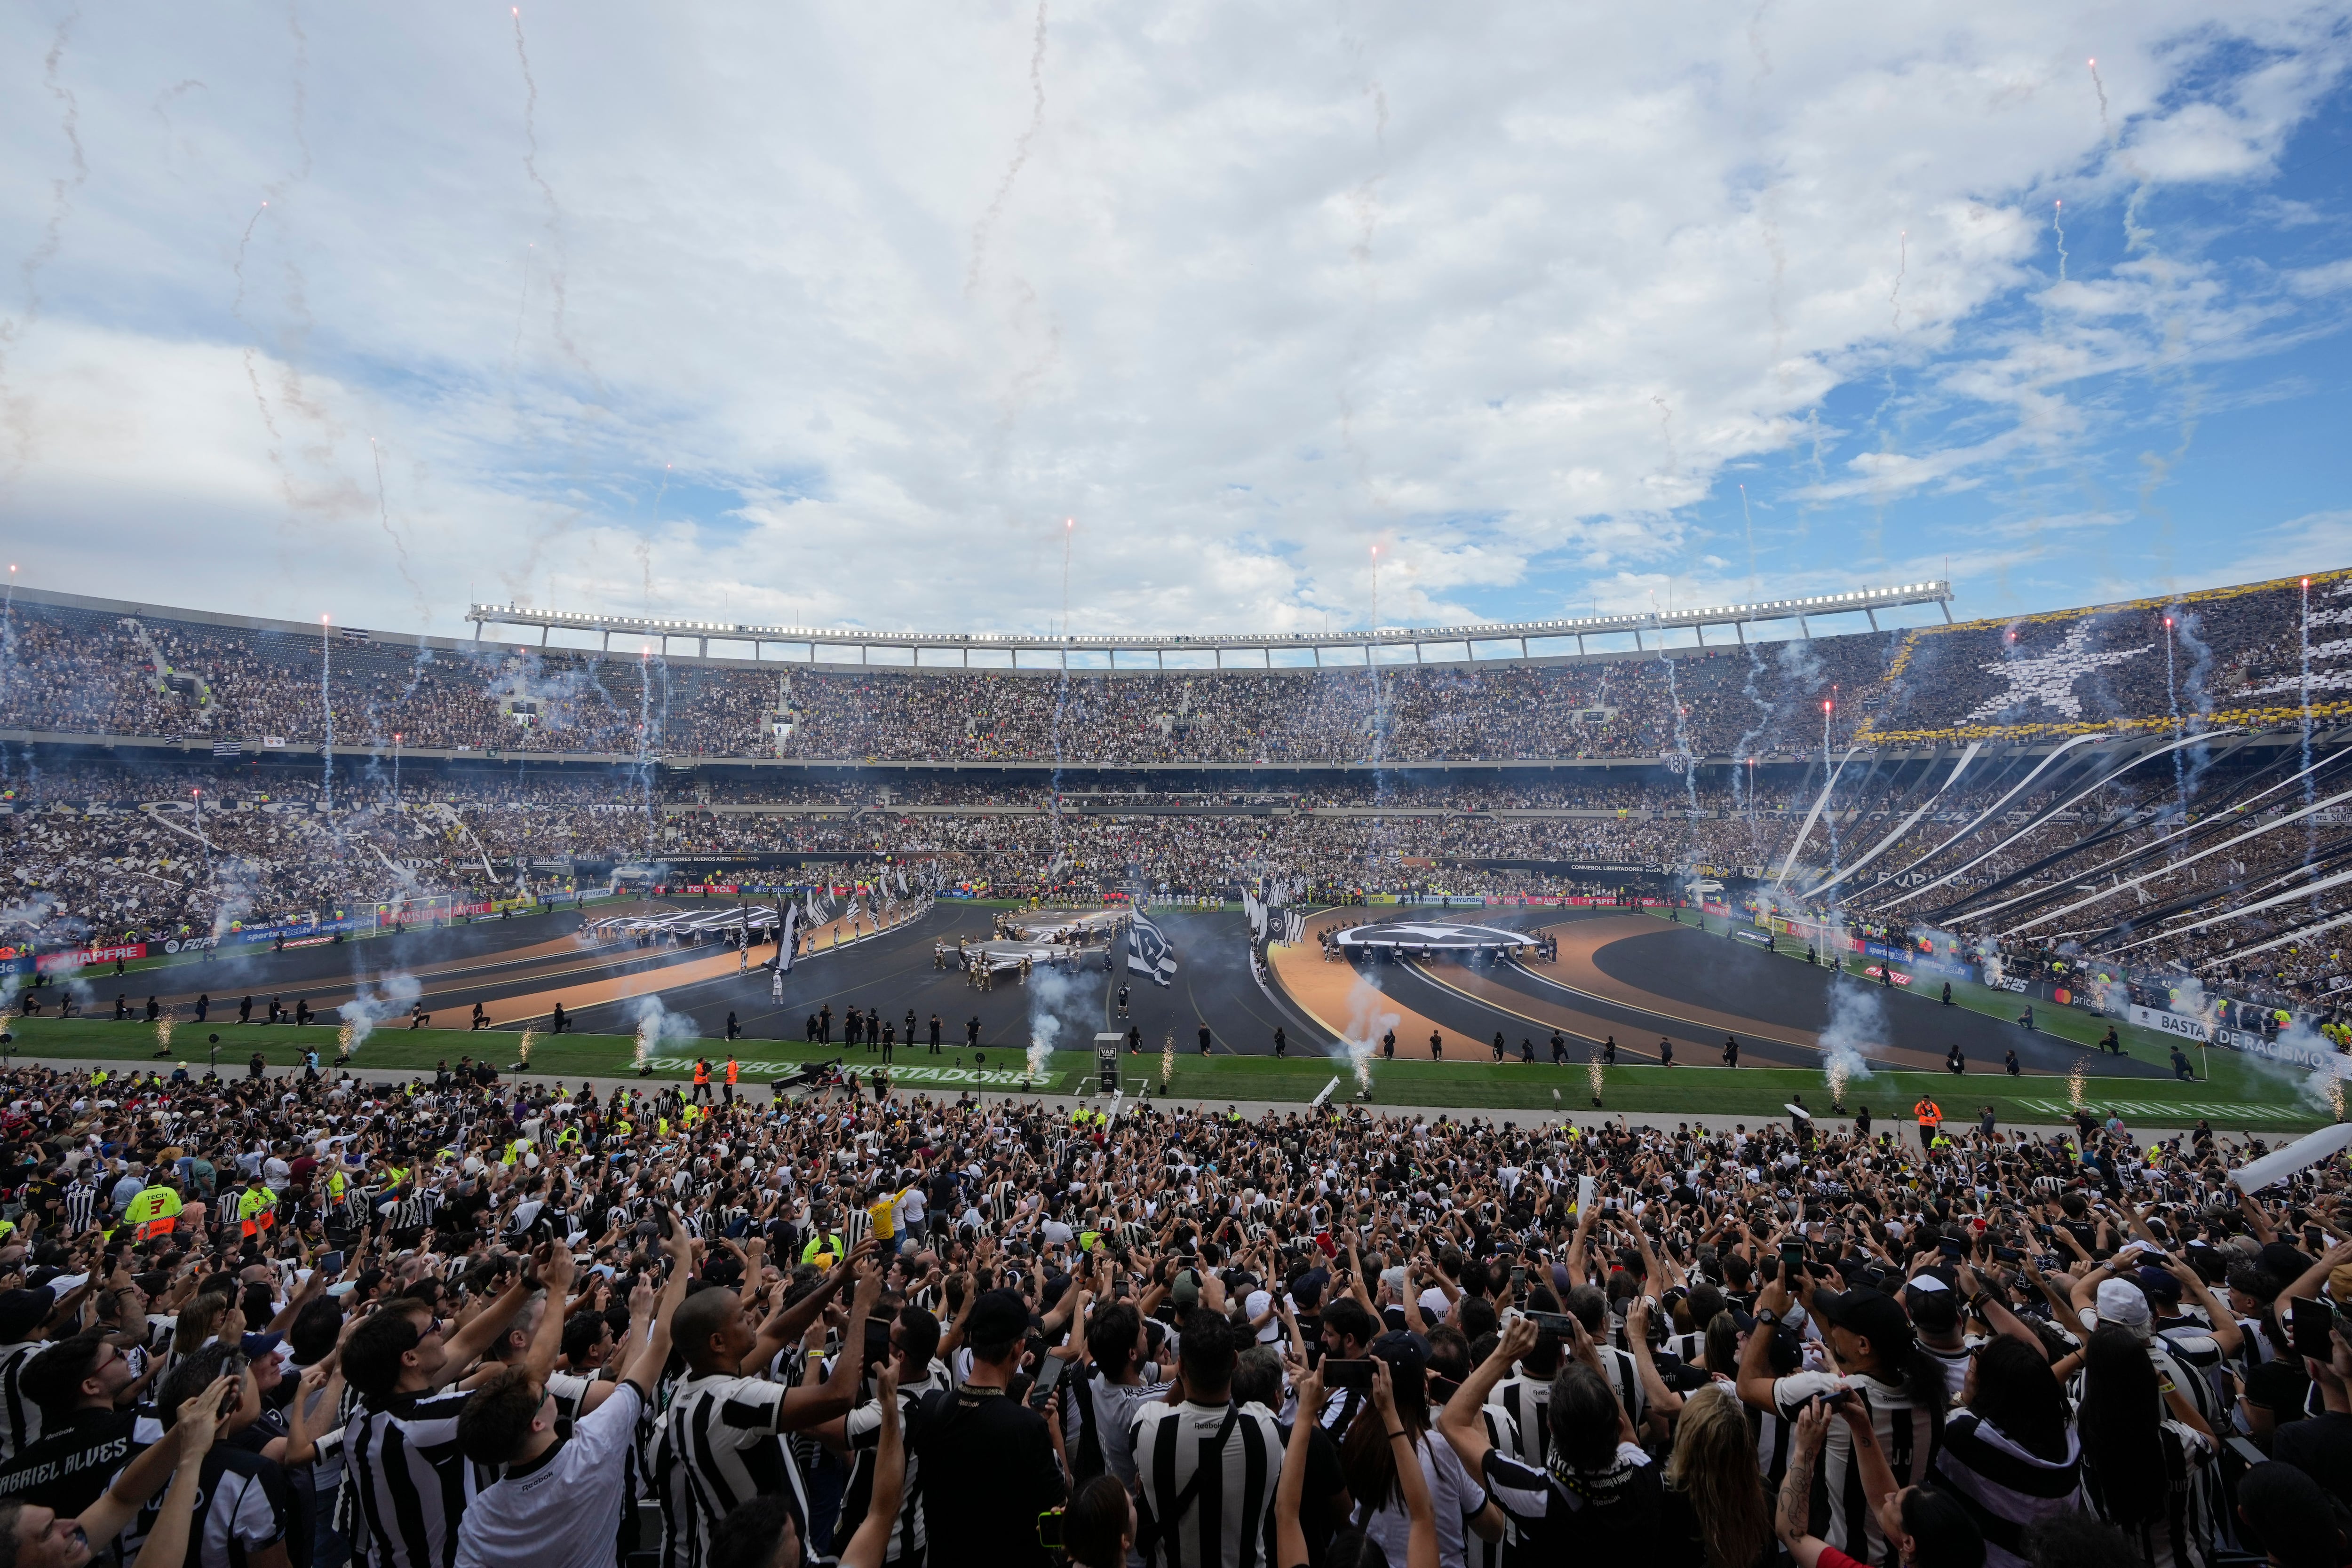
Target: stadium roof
1732, 620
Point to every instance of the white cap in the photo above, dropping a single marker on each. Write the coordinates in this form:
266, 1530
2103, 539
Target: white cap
2121, 1301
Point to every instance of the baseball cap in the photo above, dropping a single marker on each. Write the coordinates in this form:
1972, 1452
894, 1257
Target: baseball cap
1871, 1315
1185, 1289
2122, 1302
1402, 1348
22, 1312
256, 1345
2156, 1285
999, 1317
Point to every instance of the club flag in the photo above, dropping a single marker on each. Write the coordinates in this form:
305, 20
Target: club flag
784, 939
1147, 952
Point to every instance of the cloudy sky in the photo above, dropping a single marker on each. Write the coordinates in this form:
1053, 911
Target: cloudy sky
858, 314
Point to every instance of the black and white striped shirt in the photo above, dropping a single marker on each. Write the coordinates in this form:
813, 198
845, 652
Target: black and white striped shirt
1908, 1435
2005, 1488
405, 1483
1528, 1402
81, 1207
861, 1429
716, 1446
20, 1418
1207, 1475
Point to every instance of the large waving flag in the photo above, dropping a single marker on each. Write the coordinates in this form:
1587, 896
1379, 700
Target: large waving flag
1147, 952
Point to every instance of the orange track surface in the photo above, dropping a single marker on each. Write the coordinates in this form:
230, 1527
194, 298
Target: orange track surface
1580, 940
538, 963
1324, 989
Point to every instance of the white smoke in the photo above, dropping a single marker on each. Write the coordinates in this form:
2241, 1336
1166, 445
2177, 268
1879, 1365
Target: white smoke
1368, 1017
1857, 1019
1054, 998
392, 995
658, 1026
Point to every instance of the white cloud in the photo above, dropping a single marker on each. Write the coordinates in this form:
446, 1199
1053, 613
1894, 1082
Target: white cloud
1505, 292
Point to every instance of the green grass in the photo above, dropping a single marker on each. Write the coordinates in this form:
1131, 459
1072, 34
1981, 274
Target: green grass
1757, 1092
2229, 1076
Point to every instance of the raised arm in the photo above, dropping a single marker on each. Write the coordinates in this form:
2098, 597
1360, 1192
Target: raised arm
871, 1544
166, 1545
808, 1405
786, 1324
1289, 1533
468, 1344
1459, 1420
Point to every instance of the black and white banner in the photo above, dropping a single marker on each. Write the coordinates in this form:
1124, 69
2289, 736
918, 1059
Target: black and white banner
785, 937
1294, 926
1147, 952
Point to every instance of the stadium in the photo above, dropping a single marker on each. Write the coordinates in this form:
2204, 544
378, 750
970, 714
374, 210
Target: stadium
2087, 857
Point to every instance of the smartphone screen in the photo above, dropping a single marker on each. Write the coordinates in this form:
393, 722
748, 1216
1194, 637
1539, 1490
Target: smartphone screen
1344, 1374
2308, 1327
1048, 1375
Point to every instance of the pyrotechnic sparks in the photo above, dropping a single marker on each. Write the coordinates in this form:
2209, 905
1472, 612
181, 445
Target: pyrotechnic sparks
2076, 1075
163, 1035
1594, 1074
529, 1039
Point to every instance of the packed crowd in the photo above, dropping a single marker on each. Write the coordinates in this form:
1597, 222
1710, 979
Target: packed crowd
460, 1322
112, 853
2234, 655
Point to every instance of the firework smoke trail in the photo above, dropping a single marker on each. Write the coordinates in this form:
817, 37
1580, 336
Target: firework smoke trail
1062, 686
2201, 696
1750, 522
981, 230
1895, 297
327, 707
2310, 785
9, 667
400, 549
61, 190
557, 324
2172, 696
2058, 221
644, 767
1746, 787
1682, 736
2107, 126
1828, 811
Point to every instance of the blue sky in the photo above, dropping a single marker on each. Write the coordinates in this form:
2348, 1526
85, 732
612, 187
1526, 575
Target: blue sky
851, 315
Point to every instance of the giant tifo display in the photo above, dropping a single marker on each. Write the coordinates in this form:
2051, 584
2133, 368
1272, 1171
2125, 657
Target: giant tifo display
2104, 848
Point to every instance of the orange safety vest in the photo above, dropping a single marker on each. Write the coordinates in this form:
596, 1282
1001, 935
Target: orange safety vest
701, 1073
730, 1070
1930, 1114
